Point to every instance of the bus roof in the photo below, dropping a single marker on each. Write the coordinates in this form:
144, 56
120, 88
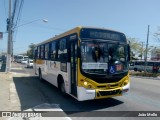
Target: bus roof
74, 30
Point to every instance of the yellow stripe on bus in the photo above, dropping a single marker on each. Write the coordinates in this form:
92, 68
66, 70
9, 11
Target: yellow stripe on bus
39, 61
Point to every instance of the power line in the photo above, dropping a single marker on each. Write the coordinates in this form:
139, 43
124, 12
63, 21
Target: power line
14, 9
18, 16
19, 12
17, 19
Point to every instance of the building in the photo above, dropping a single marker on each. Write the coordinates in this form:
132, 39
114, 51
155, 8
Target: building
155, 54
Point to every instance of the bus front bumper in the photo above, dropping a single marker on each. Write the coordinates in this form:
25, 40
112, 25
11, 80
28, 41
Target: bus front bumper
125, 89
90, 94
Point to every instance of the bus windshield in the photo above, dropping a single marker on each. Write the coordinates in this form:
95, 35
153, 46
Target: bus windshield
103, 57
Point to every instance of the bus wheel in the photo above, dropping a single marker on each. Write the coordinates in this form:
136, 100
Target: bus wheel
40, 75
135, 69
62, 89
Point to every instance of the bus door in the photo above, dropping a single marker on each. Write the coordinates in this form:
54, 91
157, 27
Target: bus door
73, 66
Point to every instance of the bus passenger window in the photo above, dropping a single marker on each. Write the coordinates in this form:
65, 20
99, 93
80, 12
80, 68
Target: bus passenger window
38, 54
42, 51
131, 63
46, 51
53, 51
35, 54
62, 52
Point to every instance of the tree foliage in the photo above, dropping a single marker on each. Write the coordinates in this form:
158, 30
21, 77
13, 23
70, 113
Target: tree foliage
157, 34
31, 50
136, 47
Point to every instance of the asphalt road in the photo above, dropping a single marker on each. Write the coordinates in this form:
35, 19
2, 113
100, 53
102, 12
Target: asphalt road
144, 96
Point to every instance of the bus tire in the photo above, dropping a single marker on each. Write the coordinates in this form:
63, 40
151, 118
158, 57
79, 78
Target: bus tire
135, 69
40, 75
61, 86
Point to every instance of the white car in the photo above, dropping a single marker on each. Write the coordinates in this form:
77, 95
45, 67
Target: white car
1, 62
29, 63
0, 65
24, 61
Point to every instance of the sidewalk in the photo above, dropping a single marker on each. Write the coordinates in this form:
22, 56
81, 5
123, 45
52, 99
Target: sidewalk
9, 99
5, 80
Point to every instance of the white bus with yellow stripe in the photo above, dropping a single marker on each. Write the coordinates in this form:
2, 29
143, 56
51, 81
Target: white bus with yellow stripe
85, 62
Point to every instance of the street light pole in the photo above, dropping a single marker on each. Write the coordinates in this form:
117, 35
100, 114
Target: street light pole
44, 20
9, 26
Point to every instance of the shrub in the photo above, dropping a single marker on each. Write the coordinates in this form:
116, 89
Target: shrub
145, 74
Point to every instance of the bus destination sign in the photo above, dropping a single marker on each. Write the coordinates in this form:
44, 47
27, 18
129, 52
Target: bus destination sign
102, 34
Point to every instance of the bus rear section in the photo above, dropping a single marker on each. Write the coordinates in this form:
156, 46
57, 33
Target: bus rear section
86, 63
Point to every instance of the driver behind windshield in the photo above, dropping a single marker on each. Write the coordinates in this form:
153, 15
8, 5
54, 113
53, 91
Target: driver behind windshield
97, 54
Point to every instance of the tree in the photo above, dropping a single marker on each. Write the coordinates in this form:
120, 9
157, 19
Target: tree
136, 48
31, 50
157, 34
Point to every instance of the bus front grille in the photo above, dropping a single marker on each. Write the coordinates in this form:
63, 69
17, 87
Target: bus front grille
111, 86
112, 92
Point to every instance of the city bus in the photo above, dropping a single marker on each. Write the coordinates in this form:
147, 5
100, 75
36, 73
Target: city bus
20, 58
85, 62
139, 65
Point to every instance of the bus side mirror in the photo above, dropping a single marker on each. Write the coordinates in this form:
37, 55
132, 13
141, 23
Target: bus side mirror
129, 50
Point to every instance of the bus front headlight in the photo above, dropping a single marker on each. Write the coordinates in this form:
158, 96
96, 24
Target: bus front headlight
125, 82
86, 84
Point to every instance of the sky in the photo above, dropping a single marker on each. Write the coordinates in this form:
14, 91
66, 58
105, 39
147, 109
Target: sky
131, 17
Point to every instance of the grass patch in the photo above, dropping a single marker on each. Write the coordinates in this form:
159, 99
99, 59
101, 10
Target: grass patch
145, 74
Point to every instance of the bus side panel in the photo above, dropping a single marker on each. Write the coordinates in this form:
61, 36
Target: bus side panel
51, 72
38, 64
48, 70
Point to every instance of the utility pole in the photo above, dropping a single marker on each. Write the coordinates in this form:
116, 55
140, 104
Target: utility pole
9, 28
146, 50
142, 51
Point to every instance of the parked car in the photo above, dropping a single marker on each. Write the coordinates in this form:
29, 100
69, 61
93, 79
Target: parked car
29, 63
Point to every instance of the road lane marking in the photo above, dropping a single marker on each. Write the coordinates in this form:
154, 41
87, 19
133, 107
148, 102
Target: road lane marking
20, 74
17, 68
48, 112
